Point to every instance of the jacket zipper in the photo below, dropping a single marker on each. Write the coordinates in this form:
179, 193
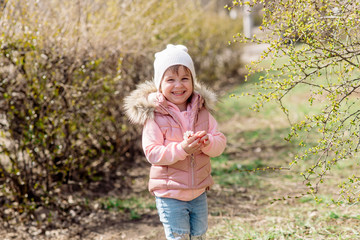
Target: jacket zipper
192, 170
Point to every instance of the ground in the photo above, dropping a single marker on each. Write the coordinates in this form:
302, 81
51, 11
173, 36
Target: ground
245, 210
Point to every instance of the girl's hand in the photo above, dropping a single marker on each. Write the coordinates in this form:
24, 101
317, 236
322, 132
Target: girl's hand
205, 141
204, 138
194, 142
191, 144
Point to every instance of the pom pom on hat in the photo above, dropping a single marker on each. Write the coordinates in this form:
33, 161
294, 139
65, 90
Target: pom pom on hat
170, 56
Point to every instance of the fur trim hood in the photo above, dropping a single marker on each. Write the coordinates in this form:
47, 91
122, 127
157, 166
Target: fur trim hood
141, 104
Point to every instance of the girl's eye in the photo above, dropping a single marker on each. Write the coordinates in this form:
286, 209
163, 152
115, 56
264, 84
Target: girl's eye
169, 80
185, 79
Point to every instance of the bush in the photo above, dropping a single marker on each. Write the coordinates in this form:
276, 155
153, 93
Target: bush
65, 68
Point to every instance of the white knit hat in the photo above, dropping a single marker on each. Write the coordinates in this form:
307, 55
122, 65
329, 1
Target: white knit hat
170, 56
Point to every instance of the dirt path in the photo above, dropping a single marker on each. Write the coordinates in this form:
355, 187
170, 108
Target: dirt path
221, 201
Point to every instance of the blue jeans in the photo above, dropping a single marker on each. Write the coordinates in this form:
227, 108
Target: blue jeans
183, 219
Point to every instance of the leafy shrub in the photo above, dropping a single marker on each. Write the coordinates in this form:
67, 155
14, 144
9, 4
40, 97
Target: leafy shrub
326, 64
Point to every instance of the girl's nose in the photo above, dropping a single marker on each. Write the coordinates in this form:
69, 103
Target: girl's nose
178, 83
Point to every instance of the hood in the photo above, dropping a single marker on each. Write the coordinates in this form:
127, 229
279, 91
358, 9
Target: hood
141, 104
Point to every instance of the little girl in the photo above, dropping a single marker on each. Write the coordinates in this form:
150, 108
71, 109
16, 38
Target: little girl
179, 137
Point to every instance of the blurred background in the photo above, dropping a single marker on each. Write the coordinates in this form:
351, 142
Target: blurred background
71, 164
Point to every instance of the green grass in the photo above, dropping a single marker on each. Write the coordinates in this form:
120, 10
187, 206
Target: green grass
301, 221
134, 206
234, 174
255, 141
234, 104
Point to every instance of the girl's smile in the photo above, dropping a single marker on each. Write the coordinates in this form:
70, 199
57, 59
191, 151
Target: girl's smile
177, 86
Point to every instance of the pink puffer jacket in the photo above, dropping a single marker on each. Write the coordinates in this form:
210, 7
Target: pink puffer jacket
172, 168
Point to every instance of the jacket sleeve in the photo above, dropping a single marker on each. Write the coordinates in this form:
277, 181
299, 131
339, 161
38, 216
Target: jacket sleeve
155, 150
217, 139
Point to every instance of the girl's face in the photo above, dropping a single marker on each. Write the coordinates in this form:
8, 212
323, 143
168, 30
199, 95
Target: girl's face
177, 86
